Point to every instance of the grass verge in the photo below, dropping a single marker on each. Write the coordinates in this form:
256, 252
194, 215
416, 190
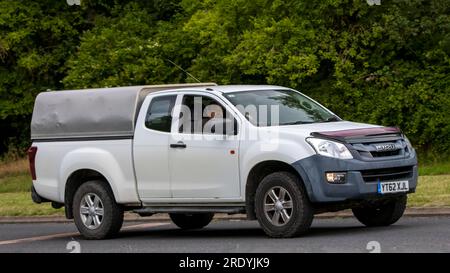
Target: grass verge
434, 168
15, 183
15, 198
20, 204
14, 167
432, 191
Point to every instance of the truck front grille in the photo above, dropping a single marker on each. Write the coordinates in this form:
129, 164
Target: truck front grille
387, 174
371, 151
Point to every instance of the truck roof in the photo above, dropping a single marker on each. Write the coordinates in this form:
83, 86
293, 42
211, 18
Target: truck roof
236, 88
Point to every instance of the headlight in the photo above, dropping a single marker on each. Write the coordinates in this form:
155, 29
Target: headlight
408, 144
329, 148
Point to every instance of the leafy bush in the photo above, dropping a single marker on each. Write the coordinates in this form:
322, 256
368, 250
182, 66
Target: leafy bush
386, 64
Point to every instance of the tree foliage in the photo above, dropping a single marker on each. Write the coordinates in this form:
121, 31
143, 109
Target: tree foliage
386, 64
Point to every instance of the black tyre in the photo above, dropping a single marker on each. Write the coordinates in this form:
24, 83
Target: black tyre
282, 206
192, 220
95, 211
384, 214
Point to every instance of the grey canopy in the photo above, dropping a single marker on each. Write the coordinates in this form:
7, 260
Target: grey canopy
102, 112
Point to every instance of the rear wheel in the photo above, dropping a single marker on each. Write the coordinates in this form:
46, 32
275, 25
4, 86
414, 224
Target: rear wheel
384, 214
191, 220
282, 206
95, 211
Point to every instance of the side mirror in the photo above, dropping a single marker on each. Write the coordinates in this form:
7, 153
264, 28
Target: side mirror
220, 126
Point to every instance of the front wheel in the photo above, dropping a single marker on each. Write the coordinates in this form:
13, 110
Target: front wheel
384, 214
282, 206
95, 211
192, 220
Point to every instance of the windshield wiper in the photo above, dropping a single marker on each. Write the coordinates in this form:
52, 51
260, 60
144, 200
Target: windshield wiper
332, 118
296, 122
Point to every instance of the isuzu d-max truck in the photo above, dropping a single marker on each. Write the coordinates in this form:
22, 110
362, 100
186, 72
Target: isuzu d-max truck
197, 149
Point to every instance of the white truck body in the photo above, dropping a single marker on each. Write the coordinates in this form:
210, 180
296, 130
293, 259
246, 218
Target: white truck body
106, 134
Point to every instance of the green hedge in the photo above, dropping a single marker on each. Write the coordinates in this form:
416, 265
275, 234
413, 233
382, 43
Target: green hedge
386, 64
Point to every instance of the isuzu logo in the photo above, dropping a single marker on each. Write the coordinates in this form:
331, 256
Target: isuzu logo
385, 147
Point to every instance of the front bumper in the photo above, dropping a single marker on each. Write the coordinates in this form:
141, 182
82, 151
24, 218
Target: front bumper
312, 170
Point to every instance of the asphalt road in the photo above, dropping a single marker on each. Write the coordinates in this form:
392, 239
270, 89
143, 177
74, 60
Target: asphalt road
410, 234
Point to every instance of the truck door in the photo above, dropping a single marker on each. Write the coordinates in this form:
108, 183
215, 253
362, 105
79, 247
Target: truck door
151, 146
202, 165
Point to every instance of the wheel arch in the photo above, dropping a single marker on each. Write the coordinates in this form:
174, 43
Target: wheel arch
75, 180
257, 173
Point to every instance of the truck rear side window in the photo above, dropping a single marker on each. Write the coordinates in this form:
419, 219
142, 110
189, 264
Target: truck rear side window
159, 114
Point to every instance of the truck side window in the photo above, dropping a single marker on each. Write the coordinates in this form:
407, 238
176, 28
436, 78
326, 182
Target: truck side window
159, 114
196, 111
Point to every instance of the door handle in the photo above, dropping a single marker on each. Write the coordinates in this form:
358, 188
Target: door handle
179, 144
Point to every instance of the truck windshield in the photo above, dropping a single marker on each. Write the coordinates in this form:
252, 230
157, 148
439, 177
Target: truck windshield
279, 107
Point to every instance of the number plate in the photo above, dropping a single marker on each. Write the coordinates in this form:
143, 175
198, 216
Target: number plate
393, 187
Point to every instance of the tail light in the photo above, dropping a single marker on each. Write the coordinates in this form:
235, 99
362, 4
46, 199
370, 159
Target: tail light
31, 158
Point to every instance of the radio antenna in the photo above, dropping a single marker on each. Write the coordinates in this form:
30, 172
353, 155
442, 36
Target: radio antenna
187, 73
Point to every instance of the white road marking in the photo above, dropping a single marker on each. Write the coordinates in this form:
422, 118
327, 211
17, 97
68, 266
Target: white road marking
71, 234
38, 238
146, 225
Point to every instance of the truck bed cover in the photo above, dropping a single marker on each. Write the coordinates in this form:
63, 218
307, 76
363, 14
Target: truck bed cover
91, 113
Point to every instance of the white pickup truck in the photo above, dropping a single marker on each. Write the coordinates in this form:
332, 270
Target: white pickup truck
193, 150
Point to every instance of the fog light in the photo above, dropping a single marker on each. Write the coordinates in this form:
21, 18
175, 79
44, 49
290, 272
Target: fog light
335, 178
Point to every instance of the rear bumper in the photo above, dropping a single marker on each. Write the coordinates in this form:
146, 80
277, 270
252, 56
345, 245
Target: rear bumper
313, 169
36, 197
